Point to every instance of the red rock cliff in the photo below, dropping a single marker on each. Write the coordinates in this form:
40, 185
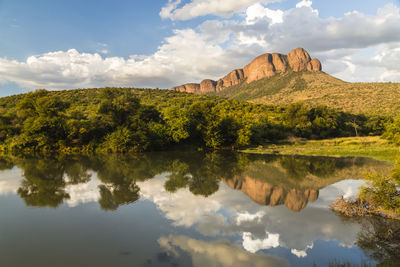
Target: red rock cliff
264, 66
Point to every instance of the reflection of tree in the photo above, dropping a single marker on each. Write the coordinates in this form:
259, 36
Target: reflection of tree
179, 177
299, 167
202, 172
119, 174
43, 184
118, 167
77, 173
45, 180
296, 169
380, 238
111, 197
5, 164
204, 186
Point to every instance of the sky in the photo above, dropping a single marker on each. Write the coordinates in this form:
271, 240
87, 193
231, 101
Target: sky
162, 43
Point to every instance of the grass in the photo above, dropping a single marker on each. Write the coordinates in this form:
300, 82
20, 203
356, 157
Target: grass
319, 89
372, 147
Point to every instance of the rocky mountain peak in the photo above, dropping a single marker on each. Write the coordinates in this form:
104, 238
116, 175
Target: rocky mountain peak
264, 66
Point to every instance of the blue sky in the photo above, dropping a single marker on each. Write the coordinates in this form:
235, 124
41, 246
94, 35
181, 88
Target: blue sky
159, 43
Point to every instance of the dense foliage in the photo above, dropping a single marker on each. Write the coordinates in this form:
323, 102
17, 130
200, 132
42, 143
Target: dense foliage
383, 192
392, 132
123, 119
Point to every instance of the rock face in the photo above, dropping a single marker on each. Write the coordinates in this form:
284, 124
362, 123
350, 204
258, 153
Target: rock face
207, 86
233, 78
298, 59
314, 65
266, 194
264, 66
188, 88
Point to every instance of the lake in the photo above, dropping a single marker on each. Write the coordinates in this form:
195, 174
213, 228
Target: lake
186, 209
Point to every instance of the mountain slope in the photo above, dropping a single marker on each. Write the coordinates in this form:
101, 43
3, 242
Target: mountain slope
318, 88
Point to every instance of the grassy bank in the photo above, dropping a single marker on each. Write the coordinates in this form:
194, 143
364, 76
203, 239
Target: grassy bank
373, 147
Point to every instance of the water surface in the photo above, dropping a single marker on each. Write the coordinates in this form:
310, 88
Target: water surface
186, 209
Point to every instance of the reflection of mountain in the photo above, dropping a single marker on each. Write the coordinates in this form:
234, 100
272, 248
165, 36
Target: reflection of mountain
296, 181
266, 194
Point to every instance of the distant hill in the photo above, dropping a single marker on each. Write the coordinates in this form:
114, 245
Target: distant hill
283, 79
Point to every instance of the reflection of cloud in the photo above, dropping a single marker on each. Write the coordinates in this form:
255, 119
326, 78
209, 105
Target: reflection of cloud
83, 193
346, 188
301, 253
219, 253
247, 217
254, 245
184, 208
230, 212
10, 181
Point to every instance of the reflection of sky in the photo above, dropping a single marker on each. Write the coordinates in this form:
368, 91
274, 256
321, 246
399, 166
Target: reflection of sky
260, 227
218, 253
231, 214
346, 188
83, 193
10, 181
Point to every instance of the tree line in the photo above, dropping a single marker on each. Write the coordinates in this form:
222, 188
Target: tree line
133, 120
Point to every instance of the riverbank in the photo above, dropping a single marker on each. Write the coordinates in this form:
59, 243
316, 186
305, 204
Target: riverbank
372, 146
358, 208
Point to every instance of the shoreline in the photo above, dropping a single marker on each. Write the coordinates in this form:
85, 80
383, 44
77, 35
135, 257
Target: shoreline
373, 147
358, 208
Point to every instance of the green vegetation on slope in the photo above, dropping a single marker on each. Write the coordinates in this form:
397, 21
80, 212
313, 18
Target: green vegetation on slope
319, 89
125, 119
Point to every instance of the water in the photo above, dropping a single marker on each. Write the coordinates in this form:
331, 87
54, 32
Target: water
186, 209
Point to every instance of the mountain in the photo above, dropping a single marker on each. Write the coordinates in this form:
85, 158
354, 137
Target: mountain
283, 79
264, 66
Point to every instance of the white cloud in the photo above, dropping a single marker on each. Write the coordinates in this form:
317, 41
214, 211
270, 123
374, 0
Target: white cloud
304, 3
258, 11
197, 8
181, 58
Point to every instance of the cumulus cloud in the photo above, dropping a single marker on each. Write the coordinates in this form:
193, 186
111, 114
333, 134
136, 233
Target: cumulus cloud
180, 58
304, 3
197, 8
258, 11
344, 44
